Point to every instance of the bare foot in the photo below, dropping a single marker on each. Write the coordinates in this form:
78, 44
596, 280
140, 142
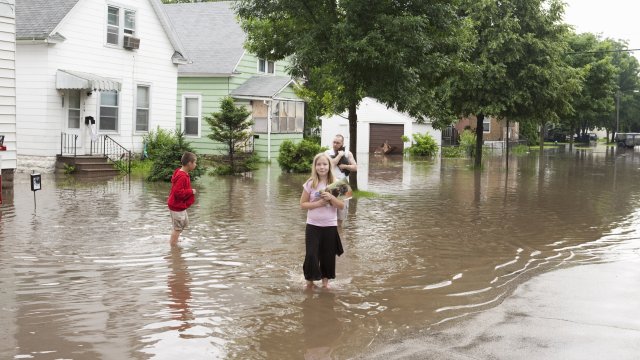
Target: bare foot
325, 283
309, 285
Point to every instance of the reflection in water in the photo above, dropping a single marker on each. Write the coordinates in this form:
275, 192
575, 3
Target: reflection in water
321, 326
91, 276
180, 294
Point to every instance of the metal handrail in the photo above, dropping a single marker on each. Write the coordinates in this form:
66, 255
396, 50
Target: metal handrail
116, 153
68, 144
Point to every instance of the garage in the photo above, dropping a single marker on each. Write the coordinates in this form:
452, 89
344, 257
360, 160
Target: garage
379, 133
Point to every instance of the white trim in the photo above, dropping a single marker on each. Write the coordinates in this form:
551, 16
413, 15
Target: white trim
98, 120
135, 107
182, 115
266, 67
484, 128
239, 60
121, 9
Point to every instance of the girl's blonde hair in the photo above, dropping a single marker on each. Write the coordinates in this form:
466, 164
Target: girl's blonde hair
315, 179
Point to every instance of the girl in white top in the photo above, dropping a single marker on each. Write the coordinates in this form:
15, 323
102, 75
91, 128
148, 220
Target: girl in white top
321, 233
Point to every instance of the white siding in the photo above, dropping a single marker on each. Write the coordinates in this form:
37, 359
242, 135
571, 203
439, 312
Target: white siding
7, 85
370, 111
41, 113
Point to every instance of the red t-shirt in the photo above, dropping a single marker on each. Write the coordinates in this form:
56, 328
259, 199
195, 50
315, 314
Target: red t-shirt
181, 195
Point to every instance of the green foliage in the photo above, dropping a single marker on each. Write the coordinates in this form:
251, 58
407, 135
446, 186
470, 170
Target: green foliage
424, 145
452, 152
141, 168
167, 159
69, 169
468, 142
156, 141
298, 158
404, 138
520, 150
529, 131
247, 164
232, 127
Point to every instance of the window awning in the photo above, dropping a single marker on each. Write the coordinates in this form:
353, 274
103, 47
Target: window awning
66, 79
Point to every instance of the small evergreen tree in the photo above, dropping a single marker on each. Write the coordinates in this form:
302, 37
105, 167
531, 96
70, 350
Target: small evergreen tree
230, 126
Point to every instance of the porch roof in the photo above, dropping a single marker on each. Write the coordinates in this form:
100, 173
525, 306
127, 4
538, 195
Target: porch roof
66, 79
261, 86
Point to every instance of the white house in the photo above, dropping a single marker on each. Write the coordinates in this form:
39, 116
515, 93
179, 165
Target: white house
111, 61
7, 88
376, 124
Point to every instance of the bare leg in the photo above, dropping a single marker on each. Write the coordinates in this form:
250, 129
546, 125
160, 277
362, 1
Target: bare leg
325, 283
309, 284
174, 237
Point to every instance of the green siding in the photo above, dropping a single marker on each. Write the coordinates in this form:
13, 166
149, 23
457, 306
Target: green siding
288, 93
213, 89
261, 148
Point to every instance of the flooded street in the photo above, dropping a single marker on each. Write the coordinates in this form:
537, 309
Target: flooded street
88, 273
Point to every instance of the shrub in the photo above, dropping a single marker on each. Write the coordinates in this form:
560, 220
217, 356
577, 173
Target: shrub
468, 142
155, 141
167, 159
452, 152
298, 158
424, 145
241, 165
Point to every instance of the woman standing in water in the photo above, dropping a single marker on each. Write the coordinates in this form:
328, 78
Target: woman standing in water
321, 235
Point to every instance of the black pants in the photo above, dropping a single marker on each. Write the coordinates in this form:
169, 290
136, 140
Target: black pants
322, 246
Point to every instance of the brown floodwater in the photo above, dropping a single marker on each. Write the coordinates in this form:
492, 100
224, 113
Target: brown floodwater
86, 272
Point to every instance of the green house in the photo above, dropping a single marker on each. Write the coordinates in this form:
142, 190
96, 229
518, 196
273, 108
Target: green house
220, 67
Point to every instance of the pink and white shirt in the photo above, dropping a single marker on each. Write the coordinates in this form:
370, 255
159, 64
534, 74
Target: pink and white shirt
321, 216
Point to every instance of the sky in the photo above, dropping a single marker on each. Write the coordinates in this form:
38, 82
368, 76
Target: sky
617, 19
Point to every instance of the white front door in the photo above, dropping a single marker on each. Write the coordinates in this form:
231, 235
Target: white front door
73, 119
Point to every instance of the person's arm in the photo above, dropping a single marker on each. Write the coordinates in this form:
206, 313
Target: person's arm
335, 160
352, 167
334, 201
306, 204
182, 191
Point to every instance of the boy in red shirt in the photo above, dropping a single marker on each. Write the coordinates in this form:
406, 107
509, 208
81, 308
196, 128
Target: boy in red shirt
181, 195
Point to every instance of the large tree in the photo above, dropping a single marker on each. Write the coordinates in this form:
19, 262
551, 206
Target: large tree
514, 69
592, 59
396, 51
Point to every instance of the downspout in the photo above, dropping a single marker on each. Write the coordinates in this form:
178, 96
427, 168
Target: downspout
269, 130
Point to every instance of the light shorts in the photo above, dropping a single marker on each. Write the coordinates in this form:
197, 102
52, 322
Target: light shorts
180, 219
342, 213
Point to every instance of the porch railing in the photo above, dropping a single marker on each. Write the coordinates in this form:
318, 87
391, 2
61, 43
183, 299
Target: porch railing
68, 144
104, 145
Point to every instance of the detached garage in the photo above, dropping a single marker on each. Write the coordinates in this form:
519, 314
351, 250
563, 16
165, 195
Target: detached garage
376, 124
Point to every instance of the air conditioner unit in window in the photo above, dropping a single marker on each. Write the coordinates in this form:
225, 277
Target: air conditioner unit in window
131, 43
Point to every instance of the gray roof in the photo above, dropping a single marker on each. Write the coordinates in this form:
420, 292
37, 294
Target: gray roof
36, 19
210, 34
261, 86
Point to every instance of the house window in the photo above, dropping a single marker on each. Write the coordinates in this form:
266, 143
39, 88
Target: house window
486, 125
191, 115
266, 67
108, 111
115, 30
113, 25
142, 108
129, 22
287, 117
73, 118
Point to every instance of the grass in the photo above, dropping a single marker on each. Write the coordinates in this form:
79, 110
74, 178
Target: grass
365, 194
141, 167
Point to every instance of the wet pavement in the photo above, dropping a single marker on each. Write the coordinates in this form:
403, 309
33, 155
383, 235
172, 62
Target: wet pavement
87, 272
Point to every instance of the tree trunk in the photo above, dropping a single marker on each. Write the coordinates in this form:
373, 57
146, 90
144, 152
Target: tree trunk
353, 140
572, 132
479, 132
507, 149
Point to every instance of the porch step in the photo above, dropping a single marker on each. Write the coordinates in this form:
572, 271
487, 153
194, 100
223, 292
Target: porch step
88, 166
